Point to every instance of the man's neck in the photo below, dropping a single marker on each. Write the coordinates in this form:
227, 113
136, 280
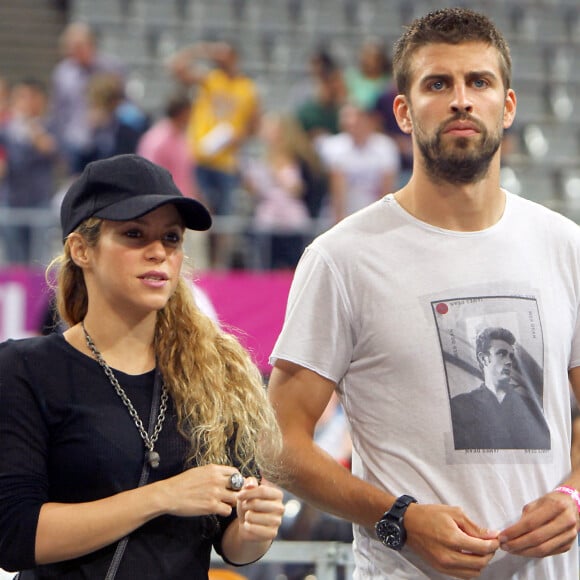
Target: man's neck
459, 207
499, 391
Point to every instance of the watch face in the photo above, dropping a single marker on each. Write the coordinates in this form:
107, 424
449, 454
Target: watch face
391, 534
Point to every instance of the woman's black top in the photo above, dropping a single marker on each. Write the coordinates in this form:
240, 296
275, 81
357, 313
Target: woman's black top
66, 436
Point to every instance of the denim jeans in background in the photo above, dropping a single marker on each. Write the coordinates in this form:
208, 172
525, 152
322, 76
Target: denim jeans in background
218, 188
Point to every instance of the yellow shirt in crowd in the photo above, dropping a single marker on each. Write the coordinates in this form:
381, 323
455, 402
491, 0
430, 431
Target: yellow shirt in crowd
222, 111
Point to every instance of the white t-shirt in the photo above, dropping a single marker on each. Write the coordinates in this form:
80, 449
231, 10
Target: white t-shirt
364, 166
389, 307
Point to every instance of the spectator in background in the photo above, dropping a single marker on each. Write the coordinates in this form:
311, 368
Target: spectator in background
281, 218
109, 133
4, 115
388, 123
318, 112
4, 100
165, 144
70, 79
304, 87
224, 114
363, 163
31, 155
367, 81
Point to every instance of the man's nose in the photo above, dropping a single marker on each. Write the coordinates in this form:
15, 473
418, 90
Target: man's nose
461, 102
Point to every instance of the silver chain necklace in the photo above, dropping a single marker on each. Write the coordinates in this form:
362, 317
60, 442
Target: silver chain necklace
152, 457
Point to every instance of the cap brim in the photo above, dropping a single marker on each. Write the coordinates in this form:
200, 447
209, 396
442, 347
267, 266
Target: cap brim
195, 215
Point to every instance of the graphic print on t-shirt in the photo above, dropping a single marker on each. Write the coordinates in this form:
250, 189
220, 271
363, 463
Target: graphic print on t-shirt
493, 354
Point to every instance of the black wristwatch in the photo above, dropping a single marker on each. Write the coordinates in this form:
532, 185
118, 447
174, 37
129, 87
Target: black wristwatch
390, 529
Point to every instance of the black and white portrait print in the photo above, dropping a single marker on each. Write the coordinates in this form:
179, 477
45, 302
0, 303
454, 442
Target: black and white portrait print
492, 350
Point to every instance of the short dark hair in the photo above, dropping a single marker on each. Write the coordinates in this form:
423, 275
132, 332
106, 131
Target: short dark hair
448, 26
176, 104
324, 58
32, 83
484, 338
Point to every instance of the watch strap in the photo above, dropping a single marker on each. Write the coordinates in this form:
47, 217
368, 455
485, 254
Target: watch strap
400, 506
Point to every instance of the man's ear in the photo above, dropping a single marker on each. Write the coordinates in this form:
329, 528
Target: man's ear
483, 358
509, 109
402, 112
78, 250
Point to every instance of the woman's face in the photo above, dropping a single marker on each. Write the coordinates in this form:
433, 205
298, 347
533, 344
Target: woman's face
135, 266
270, 129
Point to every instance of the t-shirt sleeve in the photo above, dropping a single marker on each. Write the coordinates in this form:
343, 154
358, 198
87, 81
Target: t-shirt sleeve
317, 332
575, 271
575, 351
23, 480
330, 152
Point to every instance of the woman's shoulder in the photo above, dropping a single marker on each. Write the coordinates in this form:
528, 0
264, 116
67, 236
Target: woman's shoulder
49, 346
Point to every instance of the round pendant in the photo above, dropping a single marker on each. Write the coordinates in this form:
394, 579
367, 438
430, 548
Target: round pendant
153, 459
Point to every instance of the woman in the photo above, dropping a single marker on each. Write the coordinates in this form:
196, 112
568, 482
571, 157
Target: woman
282, 181
143, 418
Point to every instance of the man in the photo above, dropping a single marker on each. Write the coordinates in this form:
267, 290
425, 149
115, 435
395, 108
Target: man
70, 80
501, 413
31, 157
318, 110
224, 115
363, 163
380, 299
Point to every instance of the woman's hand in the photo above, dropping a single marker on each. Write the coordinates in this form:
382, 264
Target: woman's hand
198, 491
260, 510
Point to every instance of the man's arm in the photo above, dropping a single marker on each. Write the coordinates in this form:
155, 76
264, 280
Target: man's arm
299, 397
443, 536
183, 64
550, 524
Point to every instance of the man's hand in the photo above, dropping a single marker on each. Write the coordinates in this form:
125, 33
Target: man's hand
449, 541
548, 526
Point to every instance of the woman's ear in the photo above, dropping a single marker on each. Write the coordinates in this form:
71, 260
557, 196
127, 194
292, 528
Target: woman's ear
78, 250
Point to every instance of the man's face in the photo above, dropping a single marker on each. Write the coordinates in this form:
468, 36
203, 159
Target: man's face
80, 48
498, 363
457, 109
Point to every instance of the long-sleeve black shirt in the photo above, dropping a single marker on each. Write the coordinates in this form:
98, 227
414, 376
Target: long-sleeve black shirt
67, 437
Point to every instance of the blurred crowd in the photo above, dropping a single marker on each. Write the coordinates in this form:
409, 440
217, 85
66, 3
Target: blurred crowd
272, 178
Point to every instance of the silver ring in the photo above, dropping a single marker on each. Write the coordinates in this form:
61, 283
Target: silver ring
236, 481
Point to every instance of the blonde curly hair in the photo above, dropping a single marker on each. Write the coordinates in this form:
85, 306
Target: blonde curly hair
218, 391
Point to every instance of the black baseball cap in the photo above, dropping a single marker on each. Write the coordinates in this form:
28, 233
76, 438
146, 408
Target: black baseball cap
126, 187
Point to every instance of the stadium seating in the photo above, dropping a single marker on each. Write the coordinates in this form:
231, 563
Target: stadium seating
277, 37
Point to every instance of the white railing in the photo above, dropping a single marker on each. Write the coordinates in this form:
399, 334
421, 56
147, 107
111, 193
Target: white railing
328, 558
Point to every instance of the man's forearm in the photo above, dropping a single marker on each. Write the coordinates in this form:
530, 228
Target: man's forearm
315, 476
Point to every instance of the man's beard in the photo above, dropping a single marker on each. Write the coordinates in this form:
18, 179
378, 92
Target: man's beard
456, 163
